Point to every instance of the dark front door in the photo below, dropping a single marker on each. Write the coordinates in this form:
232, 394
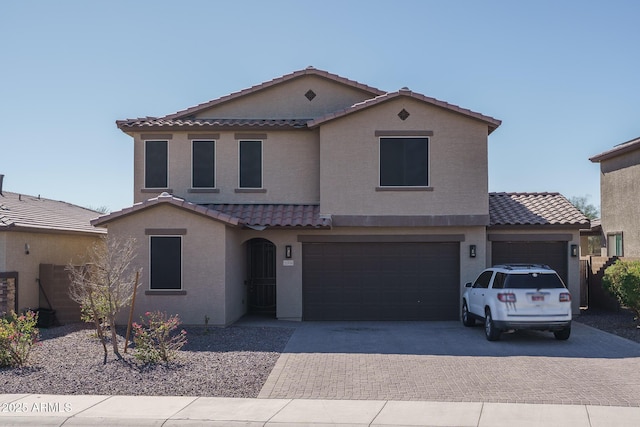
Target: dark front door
261, 256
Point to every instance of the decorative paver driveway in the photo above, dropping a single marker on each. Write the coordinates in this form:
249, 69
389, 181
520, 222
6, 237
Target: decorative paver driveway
444, 361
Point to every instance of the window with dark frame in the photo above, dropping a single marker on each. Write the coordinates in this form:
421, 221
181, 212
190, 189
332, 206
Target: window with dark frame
250, 164
203, 164
156, 164
165, 262
404, 162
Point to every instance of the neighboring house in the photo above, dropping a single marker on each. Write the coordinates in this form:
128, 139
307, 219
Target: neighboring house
316, 197
36, 231
619, 202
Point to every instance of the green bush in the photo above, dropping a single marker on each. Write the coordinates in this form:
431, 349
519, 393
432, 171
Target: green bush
622, 280
157, 338
18, 335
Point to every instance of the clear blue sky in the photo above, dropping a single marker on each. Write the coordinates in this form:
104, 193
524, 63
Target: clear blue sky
563, 76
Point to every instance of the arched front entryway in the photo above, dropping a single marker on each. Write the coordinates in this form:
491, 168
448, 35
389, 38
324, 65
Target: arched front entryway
261, 277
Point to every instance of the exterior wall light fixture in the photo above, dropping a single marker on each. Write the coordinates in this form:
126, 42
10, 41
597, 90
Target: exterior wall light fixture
472, 251
574, 250
287, 252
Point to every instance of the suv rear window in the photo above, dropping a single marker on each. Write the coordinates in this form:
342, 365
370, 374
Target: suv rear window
533, 281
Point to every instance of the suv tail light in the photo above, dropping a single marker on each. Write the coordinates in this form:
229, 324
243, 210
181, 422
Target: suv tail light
565, 297
507, 297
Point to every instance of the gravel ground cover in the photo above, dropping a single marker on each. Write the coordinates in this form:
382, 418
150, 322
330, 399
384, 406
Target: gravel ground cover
230, 362
227, 362
621, 322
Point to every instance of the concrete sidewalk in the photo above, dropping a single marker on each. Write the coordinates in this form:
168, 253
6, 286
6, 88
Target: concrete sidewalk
56, 410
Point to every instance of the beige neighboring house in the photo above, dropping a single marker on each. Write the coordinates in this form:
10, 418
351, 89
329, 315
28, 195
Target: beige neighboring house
315, 197
619, 200
36, 231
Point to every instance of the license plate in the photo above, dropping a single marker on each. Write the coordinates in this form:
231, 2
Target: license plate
537, 297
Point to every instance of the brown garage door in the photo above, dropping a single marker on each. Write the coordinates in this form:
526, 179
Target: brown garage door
381, 281
553, 254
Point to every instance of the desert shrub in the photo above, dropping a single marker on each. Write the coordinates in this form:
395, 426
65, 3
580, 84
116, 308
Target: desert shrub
157, 338
18, 335
622, 280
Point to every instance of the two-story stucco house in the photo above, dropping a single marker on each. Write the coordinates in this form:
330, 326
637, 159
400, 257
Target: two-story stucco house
312, 196
620, 205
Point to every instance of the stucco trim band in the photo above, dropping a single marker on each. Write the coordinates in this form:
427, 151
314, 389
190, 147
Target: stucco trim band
409, 220
250, 136
165, 231
382, 238
146, 136
404, 133
547, 237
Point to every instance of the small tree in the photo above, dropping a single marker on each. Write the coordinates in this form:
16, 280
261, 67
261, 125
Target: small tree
104, 285
582, 203
622, 280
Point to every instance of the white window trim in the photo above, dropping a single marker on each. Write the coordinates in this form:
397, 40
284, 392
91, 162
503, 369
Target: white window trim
400, 187
144, 156
181, 263
261, 141
215, 163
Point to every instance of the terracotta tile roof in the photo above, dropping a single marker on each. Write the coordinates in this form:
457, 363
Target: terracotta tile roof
493, 123
275, 215
534, 209
249, 215
22, 212
156, 123
625, 147
165, 198
307, 71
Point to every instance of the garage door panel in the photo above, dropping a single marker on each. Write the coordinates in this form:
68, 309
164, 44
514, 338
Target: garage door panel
386, 281
553, 254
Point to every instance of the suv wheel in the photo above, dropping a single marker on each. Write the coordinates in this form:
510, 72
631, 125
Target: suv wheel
467, 320
563, 334
490, 330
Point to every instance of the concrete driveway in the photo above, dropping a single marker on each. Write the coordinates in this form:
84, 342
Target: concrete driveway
444, 361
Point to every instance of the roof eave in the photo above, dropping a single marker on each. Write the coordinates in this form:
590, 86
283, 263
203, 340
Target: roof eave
624, 148
492, 123
271, 83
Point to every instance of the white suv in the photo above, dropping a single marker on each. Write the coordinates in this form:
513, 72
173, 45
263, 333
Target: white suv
518, 296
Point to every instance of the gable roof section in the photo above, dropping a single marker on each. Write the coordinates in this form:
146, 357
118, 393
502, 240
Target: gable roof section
618, 150
526, 209
490, 121
28, 213
177, 117
237, 215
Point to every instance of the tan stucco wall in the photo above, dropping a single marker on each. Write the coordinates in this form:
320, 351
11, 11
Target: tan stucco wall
349, 154
290, 169
44, 248
620, 205
235, 269
203, 264
289, 278
287, 100
573, 263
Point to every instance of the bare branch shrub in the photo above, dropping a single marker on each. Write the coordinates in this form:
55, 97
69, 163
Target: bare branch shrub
104, 285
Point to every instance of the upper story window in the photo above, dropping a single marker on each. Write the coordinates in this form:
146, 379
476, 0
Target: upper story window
203, 161
156, 164
404, 161
250, 164
165, 263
